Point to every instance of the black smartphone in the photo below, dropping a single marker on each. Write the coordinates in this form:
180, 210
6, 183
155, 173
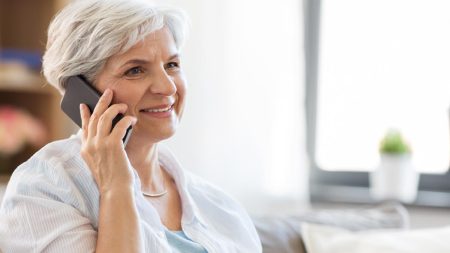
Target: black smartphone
79, 90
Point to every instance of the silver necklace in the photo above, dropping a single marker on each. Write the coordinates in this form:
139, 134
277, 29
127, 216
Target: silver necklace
154, 195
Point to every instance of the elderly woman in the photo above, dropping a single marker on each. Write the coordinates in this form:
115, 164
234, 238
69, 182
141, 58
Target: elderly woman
90, 192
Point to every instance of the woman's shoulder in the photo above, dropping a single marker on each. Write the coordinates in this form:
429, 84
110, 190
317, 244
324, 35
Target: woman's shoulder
54, 172
60, 150
213, 202
203, 187
54, 160
213, 196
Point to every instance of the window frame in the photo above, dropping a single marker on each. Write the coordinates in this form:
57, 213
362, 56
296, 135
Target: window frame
343, 186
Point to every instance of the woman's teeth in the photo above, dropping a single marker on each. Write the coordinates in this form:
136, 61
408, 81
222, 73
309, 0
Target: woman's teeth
158, 110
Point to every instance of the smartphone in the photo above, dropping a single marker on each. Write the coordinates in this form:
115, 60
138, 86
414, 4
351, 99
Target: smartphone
78, 91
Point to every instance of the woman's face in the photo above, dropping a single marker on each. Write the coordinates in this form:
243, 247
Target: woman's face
148, 78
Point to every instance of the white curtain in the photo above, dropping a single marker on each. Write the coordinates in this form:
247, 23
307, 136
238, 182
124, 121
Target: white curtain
244, 126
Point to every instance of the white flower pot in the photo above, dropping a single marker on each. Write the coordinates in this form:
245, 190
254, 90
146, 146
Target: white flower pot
394, 179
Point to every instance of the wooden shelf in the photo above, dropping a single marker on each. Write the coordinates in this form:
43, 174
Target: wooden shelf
23, 26
36, 86
44, 104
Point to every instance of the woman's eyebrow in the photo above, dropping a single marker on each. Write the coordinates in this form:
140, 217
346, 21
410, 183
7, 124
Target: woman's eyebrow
136, 62
176, 55
144, 61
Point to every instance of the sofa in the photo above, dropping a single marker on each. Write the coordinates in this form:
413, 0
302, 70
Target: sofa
284, 234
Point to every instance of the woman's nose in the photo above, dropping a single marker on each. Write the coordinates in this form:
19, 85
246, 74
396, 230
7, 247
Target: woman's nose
163, 84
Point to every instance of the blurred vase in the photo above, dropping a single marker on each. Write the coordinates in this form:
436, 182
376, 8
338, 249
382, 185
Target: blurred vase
394, 179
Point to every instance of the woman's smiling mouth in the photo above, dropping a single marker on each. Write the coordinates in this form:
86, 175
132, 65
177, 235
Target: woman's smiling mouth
161, 111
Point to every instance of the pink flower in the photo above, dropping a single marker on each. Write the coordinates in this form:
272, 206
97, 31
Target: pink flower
17, 128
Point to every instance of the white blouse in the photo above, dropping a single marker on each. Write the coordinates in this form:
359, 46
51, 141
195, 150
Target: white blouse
51, 204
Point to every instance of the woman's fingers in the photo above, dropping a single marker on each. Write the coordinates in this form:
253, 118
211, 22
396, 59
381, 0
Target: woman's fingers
121, 128
99, 124
105, 122
85, 114
100, 108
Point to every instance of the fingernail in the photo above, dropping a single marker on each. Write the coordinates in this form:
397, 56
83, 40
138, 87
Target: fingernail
108, 92
81, 107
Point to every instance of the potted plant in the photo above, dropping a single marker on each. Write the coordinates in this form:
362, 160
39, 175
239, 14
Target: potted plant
395, 177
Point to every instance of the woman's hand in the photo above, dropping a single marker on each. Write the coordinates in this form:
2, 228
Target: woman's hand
102, 149
104, 153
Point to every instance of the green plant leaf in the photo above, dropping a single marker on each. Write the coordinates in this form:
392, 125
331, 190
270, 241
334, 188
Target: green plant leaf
394, 143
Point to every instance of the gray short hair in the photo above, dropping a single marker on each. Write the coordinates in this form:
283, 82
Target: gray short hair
86, 33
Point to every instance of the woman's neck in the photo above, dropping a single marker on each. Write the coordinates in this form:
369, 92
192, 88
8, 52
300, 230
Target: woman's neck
144, 159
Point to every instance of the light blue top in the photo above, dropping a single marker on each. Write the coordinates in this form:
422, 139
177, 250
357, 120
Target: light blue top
180, 243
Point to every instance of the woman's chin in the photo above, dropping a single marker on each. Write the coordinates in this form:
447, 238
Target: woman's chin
164, 135
153, 134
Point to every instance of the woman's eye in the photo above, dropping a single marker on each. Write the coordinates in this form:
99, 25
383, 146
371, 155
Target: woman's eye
171, 65
134, 71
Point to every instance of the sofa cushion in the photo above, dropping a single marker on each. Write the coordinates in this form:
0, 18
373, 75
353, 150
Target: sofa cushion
340, 240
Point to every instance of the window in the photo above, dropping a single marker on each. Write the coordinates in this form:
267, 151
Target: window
374, 65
